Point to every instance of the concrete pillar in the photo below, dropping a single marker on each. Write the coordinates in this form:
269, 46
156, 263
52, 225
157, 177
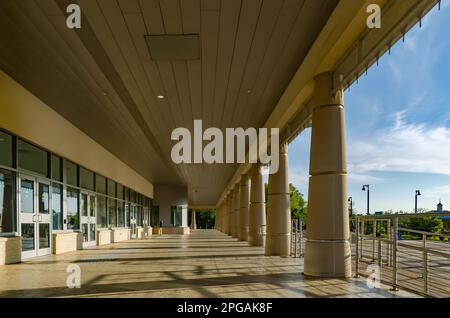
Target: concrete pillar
257, 213
193, 222
226, 217
244, 202
278, 237
327, 249
236, 220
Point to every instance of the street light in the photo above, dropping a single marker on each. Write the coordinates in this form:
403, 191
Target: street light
415, 201
366, 186
350, 200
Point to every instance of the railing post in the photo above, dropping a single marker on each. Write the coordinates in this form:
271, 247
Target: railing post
301, 238
292, 234
357, 248
394, 254
425, 264
362, 239
388, 248
374, 238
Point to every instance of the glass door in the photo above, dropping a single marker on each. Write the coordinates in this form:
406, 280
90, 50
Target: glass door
88, 219
133, 220
34, 217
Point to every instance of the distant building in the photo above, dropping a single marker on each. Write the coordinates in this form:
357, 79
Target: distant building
445, 219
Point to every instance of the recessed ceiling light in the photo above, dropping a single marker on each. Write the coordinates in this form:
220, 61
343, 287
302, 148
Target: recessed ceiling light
160, 96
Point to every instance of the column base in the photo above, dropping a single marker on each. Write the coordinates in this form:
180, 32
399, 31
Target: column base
278, 245
243, 236
255, 238
331, 259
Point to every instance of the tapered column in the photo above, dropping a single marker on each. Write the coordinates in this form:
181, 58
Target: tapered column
327, 250
193, 222
257, 213
244, 203
236, 220
278, 238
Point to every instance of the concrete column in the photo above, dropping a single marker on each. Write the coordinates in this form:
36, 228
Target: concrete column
236, 220
193, 223
327, 249
229, 213
278, 237
244, 202
257, 213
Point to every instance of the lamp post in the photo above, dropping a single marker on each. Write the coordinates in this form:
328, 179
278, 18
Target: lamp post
350, 201
364, 188
415, 200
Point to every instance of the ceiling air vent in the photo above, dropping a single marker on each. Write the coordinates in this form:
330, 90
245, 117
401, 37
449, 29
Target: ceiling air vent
174, 47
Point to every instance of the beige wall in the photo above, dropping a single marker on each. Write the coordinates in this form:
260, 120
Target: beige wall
25, 115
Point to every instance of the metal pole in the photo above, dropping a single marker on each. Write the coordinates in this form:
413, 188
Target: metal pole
357, 249
374, 237
362, 240
292, 231
415, 203
425, 264
394, 255
368, 197
301, 238
296, 236
388, 247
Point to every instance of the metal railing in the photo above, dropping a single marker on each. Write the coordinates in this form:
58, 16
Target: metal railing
297, 238
406, 258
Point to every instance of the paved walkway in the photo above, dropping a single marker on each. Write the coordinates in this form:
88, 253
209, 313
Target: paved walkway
204, 264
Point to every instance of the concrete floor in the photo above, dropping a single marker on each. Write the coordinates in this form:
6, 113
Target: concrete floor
204, 264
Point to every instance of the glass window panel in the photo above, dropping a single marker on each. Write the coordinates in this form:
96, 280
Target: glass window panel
85, 230
120, 195
86, 179
56, 168
132, 196
57, 207
120, 214
127, 215
111, 188
101, 212
32, 158
71, 173
27, 231
155, 216
7, 201
127, 194
84, 204
139, 216
44, 235
26, 196
6, 149
44, 198
100, 184
112, 213
72, 209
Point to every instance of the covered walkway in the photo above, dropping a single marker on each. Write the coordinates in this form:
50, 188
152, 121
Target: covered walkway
206, 263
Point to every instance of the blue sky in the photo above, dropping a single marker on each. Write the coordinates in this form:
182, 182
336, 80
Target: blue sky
398, 124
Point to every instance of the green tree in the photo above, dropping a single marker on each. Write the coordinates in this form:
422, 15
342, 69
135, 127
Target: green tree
204, 218
429, 224
299, 208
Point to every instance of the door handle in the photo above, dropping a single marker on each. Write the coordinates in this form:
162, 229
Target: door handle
40, 218
34, 218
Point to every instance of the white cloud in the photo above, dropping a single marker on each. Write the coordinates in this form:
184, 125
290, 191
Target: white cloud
403, 147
